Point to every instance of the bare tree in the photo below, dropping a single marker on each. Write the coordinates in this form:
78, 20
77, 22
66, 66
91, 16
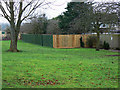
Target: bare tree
52, 27
16, 12
105, 13
39, 24
26, 28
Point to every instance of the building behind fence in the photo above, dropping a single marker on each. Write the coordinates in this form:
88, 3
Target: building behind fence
112, 39
69, 41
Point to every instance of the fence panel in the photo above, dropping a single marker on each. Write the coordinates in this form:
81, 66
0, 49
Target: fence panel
68, 41
43, 40
47, 40
77, 41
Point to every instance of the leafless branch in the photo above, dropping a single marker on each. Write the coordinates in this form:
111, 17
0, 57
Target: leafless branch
5, 15
7, 5
27, 5
20, 14
33, 10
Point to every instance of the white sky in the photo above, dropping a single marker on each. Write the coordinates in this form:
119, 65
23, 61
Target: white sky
58, 7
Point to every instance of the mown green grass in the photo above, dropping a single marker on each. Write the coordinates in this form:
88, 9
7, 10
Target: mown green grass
43, 67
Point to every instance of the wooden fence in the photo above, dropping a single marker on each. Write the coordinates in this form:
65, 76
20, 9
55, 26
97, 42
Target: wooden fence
68, 41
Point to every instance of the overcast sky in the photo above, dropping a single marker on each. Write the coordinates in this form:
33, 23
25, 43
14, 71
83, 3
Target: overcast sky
57, 8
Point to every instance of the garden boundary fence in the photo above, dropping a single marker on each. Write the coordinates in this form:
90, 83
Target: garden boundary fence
69, 41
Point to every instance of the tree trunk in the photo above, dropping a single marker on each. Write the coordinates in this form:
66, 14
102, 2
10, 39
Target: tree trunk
98, 42
14, 39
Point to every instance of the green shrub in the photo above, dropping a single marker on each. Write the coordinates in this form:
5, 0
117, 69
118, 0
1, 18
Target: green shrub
81, 42
91, 40
106, 45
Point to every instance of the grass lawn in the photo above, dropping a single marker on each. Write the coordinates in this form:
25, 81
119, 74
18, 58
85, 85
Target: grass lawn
43, 67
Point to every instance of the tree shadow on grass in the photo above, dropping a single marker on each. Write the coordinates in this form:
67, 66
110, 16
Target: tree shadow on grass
19, 51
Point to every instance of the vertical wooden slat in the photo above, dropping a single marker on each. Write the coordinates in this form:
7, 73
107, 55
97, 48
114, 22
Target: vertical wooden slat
57, 41
79, 40
73, 40
60, 41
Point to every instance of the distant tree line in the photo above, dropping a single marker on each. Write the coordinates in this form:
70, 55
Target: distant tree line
41, 25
